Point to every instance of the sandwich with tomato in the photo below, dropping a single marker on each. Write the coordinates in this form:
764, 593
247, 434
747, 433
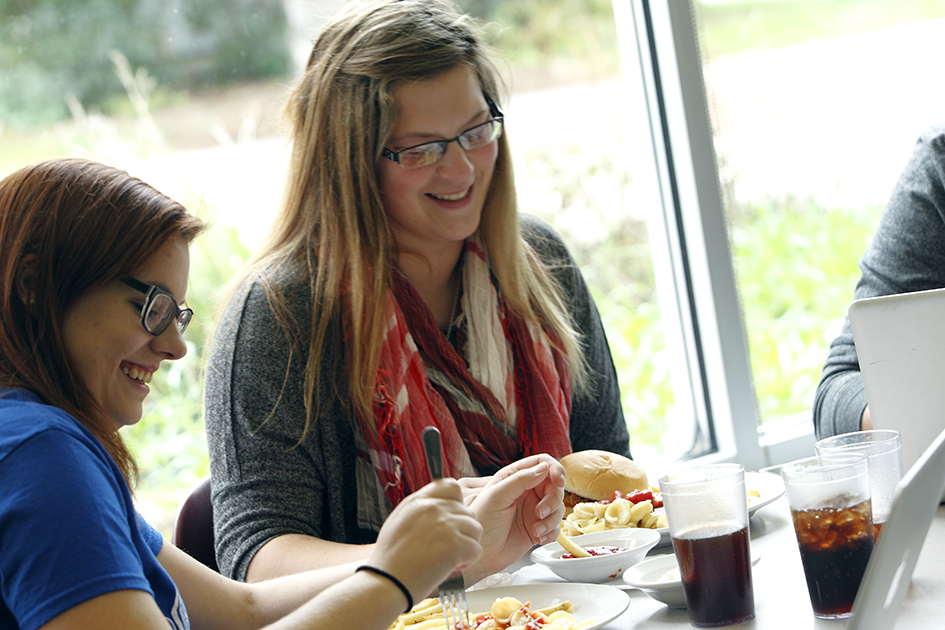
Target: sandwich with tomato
604, 490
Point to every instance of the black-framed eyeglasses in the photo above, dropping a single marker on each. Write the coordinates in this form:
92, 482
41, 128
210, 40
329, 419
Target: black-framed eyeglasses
432, 152
160, 308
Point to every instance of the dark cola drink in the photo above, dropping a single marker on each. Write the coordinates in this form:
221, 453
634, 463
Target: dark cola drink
715, 566
835, 548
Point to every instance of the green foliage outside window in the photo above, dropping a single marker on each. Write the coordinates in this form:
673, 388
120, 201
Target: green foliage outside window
795, 262
53, 48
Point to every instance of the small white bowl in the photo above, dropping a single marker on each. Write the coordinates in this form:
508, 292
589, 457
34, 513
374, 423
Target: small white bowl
659, 578
633, 544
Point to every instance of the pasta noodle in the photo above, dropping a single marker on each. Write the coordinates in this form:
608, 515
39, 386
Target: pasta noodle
507, 613
595, 516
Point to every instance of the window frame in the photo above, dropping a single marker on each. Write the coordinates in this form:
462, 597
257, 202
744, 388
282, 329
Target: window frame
694, 272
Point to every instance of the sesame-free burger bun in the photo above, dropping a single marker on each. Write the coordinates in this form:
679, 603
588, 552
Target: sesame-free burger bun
594, 475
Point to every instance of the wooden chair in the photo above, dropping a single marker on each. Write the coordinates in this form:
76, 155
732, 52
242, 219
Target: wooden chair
193, 524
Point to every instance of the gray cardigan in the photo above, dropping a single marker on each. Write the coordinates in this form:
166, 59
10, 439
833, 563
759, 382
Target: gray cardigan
907, 254
267, 483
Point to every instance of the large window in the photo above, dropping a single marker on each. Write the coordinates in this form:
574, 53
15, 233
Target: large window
716, 169
580, 135
814, 108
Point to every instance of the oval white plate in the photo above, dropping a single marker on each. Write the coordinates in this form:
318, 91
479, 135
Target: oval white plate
602, 604
770, 487
647, 575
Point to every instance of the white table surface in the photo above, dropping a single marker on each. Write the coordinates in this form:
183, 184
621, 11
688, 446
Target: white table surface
781, 598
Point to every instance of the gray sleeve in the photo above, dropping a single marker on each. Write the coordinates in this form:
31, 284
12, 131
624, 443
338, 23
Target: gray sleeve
597, 420
906, 254
266, 480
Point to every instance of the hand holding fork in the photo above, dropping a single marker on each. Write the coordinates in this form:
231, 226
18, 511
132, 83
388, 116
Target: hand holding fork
452, 592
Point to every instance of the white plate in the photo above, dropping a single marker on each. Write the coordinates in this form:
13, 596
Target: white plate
650, 576
769, 486
600, 603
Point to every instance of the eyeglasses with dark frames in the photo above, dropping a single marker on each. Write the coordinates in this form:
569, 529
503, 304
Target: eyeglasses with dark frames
160, 308
429, 153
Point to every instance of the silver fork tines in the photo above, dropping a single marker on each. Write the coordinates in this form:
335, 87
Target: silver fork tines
452, 591
453, 601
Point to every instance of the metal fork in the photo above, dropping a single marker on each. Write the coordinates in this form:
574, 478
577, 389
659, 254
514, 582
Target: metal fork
453, 590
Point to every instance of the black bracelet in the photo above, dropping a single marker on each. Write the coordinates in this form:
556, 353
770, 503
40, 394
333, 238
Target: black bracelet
397, 583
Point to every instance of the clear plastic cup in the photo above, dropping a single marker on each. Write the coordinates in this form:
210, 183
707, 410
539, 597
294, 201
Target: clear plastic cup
884, 451
829, 497
707, 512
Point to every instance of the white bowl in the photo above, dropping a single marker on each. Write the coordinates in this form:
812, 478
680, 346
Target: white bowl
659, 578
633, 545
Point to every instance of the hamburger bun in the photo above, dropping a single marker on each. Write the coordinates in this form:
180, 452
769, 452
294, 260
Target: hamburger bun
595, 475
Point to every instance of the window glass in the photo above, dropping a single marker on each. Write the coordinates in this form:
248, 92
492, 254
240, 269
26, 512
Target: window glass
815, 106
186, 95
578, 128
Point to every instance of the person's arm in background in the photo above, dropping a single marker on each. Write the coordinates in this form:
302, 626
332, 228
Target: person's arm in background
271, 489
597, 420
520, 506
906, 254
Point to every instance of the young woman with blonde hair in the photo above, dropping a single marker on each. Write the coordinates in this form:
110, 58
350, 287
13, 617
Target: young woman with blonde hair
399, 288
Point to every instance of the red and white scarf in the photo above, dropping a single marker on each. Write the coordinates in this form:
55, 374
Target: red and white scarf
513, 399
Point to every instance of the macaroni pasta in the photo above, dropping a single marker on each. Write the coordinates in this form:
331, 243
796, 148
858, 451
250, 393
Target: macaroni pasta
507, 613
594, 517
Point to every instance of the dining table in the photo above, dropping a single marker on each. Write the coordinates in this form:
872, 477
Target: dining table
781, 597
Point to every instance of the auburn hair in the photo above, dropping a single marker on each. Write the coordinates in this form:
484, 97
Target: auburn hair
68, 226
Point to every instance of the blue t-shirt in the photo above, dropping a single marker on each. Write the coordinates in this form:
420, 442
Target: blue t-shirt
68, 528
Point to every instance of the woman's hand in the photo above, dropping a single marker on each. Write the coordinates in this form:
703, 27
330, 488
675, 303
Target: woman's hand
520, 507
427, 537
472, 486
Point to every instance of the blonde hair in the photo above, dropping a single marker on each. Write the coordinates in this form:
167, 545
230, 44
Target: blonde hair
332, 223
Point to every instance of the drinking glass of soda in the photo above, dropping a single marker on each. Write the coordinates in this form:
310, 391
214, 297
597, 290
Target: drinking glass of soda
883, 450
707, 512
829, 497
